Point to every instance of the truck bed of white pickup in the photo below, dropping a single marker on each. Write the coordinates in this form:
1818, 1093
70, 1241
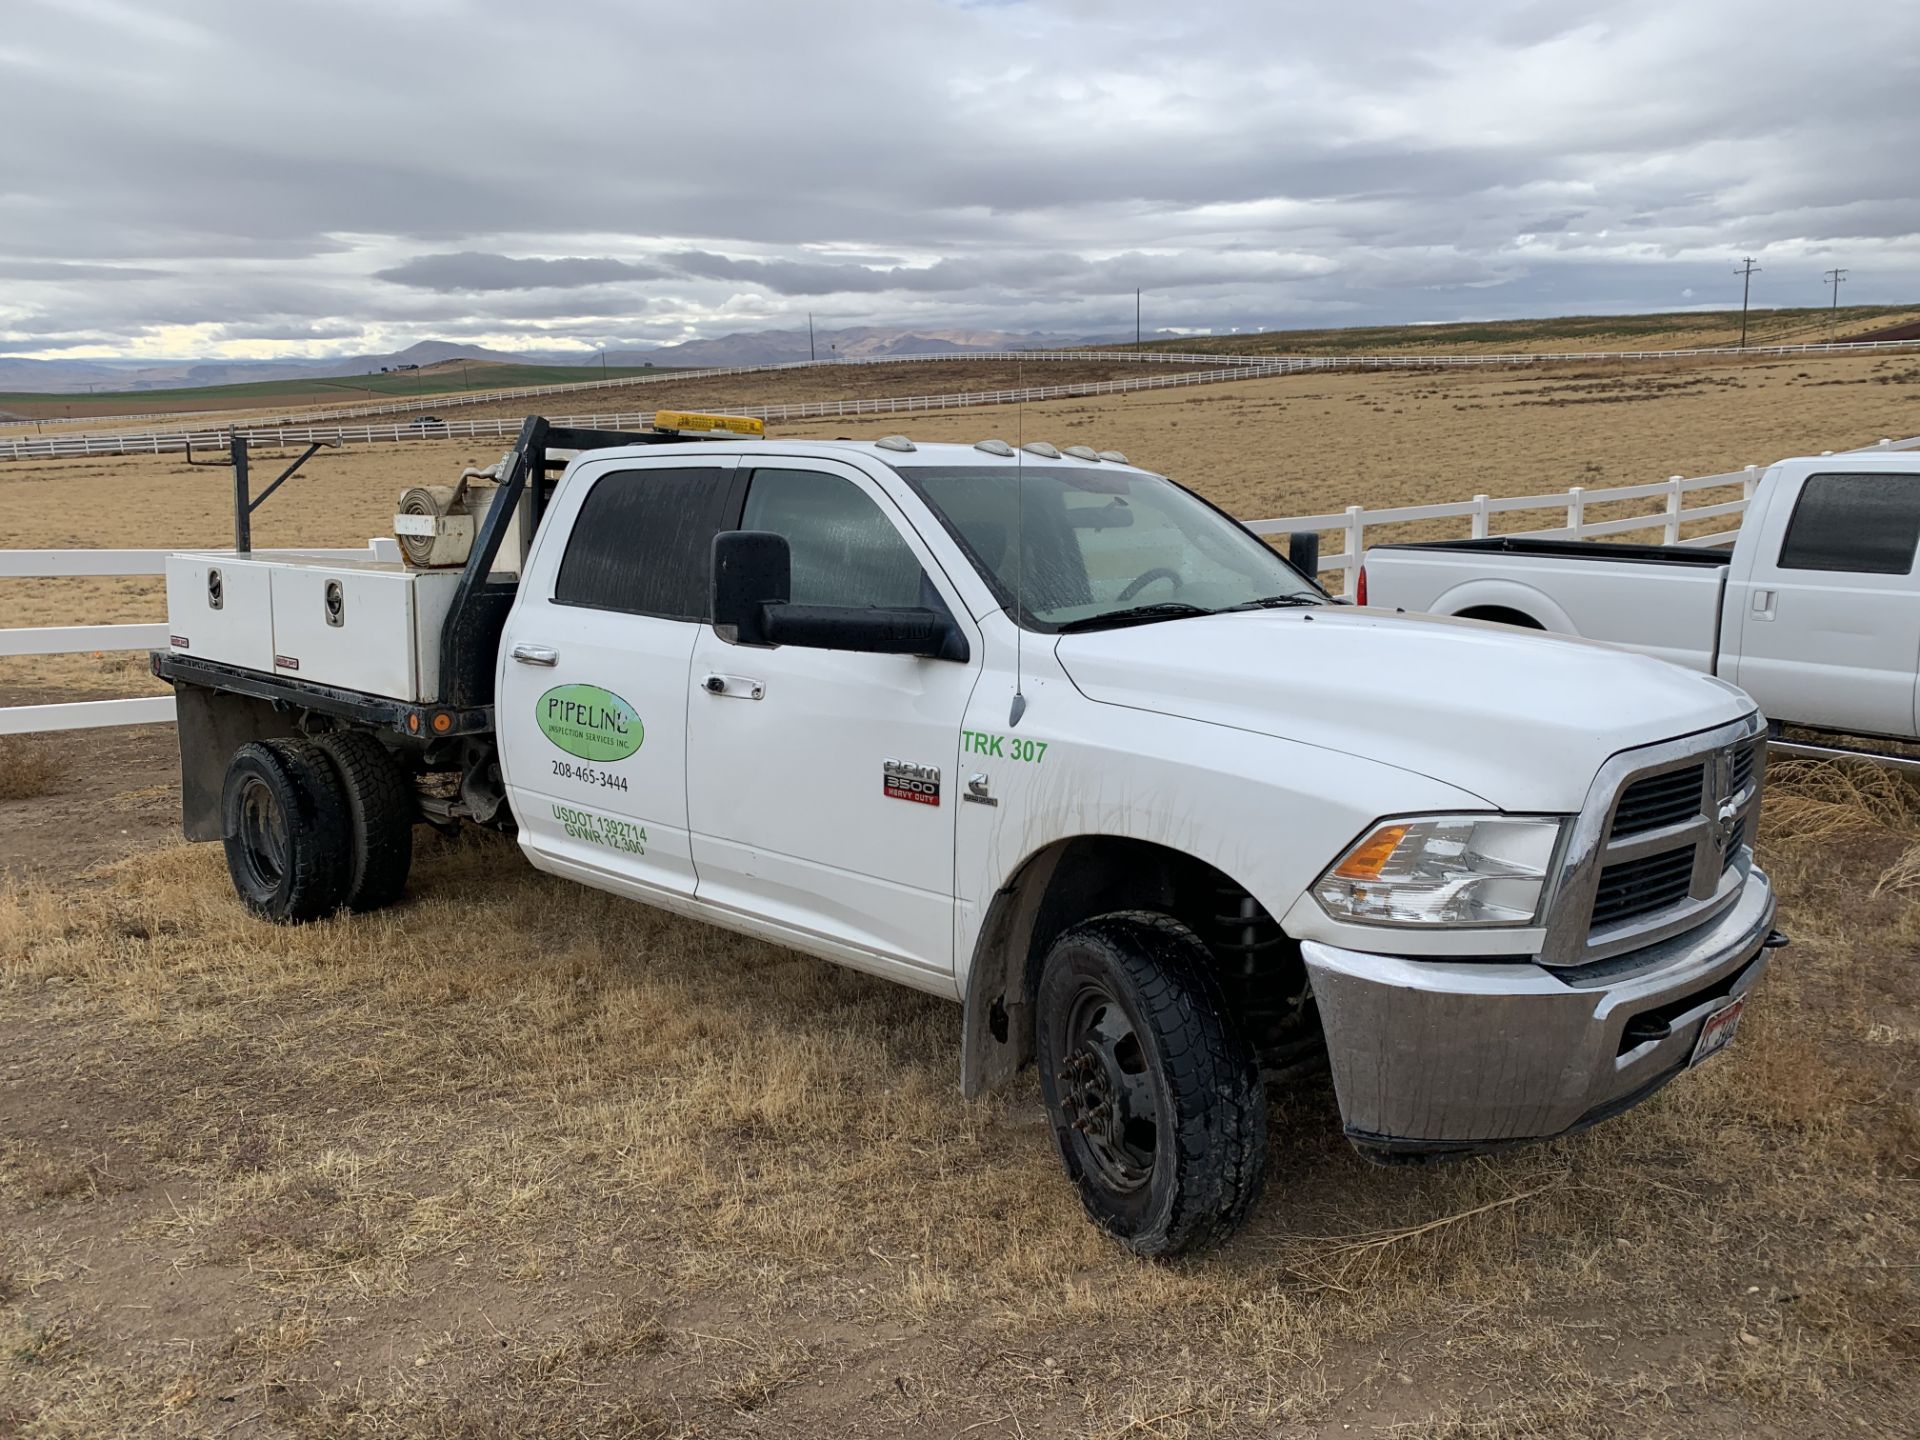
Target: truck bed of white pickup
1663, 600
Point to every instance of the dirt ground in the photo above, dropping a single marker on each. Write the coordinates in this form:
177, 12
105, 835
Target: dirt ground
515, 1158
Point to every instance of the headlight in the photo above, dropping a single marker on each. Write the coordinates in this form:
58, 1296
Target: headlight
1444, 870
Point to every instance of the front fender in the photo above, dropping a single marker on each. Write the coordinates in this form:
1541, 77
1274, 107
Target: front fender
1268, 814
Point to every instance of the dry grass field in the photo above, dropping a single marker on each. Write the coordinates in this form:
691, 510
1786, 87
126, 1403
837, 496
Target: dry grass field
1673, 330
514, 1158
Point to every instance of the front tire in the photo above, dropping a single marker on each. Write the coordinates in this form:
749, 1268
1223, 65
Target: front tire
284, 827
1155, 1100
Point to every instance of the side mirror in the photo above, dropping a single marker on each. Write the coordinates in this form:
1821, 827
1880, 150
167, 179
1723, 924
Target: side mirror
1303, 553
752, 605
752, 570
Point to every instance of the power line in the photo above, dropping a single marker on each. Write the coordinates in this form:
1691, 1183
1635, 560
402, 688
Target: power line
1836, 275
1746, 273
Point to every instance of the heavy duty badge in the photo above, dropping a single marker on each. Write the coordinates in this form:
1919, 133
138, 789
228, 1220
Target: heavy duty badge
904, 780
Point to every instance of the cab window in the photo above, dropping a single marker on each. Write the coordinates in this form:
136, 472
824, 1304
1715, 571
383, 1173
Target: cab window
642, 543
1862, 524
845, 549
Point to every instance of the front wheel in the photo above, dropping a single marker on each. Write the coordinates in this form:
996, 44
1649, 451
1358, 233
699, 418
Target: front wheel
1155, 1100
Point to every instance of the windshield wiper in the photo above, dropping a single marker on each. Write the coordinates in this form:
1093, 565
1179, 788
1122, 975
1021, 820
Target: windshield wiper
1273, 602
1136, 615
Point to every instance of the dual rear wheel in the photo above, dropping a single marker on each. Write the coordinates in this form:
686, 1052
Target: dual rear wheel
311, 826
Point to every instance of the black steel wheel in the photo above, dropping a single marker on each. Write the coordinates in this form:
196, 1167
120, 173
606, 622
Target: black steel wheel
284, 827
1155, 1100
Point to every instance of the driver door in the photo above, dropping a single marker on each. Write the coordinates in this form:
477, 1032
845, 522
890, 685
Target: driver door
820, 783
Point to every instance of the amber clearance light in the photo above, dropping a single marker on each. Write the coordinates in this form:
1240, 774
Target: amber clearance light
1370, 857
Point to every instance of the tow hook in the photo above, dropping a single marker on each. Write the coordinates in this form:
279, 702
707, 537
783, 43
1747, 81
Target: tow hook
1775, 941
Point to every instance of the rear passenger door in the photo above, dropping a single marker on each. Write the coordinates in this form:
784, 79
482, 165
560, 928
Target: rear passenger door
591, 697
1828, 621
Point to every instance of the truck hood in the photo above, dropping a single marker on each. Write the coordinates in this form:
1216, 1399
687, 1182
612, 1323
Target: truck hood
1522, 720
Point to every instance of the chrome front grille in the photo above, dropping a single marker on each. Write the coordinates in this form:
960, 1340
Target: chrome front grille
1669, 798
1640, 887
1660, 847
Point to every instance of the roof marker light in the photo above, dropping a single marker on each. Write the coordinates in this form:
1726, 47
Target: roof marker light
1113, 457
1042, 449
1082, 452
895, 442
994, 447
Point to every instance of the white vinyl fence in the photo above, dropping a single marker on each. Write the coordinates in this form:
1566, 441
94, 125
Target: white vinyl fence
1212, 359
320, 424
157, 442
1352, 523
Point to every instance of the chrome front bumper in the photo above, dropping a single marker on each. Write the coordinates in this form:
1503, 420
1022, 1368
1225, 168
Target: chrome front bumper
1432, 1057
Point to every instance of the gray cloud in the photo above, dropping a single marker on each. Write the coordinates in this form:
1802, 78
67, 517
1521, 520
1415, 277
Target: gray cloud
471, 270
352, 180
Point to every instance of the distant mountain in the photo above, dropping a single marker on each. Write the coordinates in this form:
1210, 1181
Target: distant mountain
73, 377
764, 347
57, 376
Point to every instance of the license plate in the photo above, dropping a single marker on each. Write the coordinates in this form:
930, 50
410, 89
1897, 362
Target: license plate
1719, 1030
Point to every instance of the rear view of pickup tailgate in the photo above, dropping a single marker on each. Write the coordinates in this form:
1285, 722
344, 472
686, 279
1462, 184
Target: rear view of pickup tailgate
1662, 600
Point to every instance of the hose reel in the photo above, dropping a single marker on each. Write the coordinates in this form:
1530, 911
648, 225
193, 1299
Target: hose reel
434, 526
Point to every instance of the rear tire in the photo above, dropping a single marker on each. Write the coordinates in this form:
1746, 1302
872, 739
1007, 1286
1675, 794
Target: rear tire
284, 827
380, 808
1155, 1100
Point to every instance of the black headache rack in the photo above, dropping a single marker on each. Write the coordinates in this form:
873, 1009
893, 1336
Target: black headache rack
470, 639
1573, 550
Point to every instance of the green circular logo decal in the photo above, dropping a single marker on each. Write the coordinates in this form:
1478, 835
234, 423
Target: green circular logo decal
587, 721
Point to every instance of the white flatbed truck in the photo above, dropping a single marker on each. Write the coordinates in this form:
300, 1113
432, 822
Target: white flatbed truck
1037, 731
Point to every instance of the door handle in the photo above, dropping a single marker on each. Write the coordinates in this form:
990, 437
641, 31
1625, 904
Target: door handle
536, 654
1763, 604
734, 687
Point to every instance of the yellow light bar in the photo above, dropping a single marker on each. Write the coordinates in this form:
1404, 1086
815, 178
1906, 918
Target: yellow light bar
686, 420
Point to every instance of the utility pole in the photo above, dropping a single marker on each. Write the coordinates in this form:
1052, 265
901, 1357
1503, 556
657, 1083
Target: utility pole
603, 364
810, 354
1746, 273
1836, 275
1136, 319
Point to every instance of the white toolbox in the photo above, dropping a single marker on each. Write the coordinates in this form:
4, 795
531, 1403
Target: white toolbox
367, 625
220, 607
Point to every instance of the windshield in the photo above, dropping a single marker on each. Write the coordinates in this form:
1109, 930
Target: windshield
1103, 545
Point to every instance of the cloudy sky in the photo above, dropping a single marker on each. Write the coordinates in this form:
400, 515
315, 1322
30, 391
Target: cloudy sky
242, 178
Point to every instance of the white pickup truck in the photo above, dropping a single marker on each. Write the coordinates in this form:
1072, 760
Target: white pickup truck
1152, 810
1815, 612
